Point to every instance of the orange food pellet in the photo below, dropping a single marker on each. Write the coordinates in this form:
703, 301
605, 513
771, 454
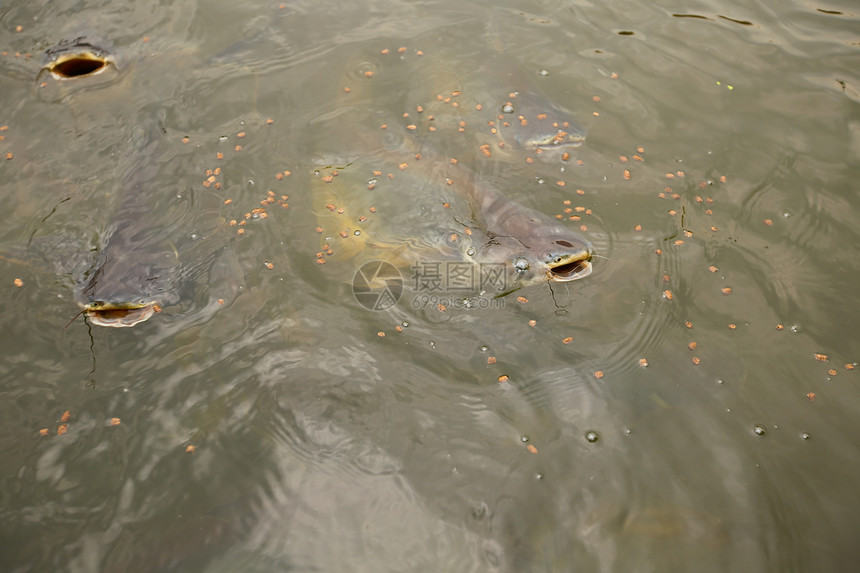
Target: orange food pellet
532, 322
598, 374
693, 345
441, 307
567, 340
190, 449
62, 429
522, 299
688, 324
503, 378
810, 396
667, 294
849, 366
380, 334
726, 290
643, 362
696, 360
732, 326
269, 265
186, 139
768, 222
491, 359
627, 175
65, 417
832, 372
531, 449
18, 282
713, 269
780, 327
220, 301
637, 228
43, 432
115, 421
821, 357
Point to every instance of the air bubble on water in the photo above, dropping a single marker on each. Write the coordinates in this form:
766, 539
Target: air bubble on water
786, 215
591, 436
794, 328
356, 233
508, 108
521, 263
524, 439
471, 251
804, 436
540, 180
193, 236
759, 430
404, 324
251, 182
433, 344
543, 72
720, 381
369, 181
179, 195
538, 476
223, 138
628, 431
484, 348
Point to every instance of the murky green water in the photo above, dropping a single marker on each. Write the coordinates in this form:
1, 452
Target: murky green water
262, 422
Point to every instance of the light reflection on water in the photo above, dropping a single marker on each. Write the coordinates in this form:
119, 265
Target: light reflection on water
320, 444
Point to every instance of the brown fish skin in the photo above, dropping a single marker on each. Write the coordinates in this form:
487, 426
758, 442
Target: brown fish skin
535, 124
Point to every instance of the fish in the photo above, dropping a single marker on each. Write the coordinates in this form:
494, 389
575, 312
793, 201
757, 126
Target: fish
142, 263
436, 210
78, 57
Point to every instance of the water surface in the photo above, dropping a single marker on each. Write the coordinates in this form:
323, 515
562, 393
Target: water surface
688, 405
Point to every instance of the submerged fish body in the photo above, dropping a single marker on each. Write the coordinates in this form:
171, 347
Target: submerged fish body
144, 262
409, 202
432, 214
144, 256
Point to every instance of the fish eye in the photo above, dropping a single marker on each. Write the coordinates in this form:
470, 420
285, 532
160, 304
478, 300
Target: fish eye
564, 243
558, 259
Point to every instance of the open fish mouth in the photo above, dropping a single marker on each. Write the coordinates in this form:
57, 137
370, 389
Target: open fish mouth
570, 269
120, 315
77, 59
